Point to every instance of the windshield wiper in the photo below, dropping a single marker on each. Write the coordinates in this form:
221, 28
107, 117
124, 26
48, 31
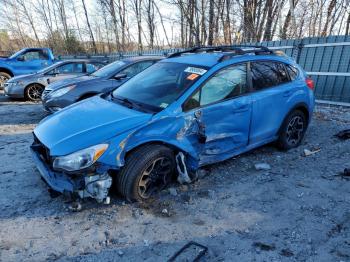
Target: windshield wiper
132, 104
124, 100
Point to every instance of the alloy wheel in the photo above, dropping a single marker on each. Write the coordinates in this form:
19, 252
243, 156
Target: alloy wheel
34, 92
3, 79
155, 177
295, 130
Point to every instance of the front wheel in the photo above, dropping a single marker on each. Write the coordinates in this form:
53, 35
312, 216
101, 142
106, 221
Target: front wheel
34, 92
293, 130
147, 170
3, 78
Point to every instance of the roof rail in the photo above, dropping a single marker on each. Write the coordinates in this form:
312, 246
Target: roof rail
234, 50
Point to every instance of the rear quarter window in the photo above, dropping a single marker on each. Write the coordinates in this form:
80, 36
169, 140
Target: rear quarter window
267, 74
292, 71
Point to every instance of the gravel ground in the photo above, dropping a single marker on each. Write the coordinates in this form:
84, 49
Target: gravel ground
299, 210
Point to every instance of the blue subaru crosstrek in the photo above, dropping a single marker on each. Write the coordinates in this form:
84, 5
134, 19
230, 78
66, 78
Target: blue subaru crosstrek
194, 108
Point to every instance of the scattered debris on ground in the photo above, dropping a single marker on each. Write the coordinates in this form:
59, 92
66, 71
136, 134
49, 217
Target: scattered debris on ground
344, 134
308, 152
262, 166
192, 251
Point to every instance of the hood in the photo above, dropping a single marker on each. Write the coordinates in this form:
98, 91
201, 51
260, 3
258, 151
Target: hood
21, 77
72, 81
87, 123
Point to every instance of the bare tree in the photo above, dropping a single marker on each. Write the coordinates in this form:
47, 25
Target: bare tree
89, 26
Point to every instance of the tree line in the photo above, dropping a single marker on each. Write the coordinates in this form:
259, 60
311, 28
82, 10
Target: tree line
104, 26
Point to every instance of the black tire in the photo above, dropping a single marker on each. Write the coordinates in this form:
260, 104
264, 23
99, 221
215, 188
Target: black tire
3, 78
133, 175
33, 92
293, 130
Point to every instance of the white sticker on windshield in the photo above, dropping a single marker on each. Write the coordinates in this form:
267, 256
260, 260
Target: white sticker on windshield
195, 70
163, 105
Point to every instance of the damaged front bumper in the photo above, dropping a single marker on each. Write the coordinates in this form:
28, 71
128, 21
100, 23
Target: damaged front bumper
82, 184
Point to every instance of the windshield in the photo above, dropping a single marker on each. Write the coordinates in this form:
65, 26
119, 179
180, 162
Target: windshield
160, 85
108, 69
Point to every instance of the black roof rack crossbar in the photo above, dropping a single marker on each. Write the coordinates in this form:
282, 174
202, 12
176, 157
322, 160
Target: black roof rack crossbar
235, 49
257, 50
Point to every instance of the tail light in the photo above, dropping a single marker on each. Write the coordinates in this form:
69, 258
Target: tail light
310, 83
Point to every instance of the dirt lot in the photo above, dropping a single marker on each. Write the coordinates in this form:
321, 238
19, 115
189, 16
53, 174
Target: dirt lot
299, 210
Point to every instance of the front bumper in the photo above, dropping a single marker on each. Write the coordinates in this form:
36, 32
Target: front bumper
82, 185
52, 105
14, 90
57, 181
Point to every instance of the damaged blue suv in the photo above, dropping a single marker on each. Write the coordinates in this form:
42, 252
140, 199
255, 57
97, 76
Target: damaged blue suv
194, 108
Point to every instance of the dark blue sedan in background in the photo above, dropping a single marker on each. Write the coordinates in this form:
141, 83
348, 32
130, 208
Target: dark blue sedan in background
63, 93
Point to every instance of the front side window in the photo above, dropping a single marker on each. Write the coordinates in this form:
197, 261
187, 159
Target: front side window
227, 83
134, 69
160, 84
268, 74
34, 55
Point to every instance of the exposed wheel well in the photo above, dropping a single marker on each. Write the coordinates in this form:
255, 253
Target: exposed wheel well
303, 109
172, 147
5, 70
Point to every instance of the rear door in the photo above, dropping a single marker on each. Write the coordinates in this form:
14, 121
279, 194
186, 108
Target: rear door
271, 90
224, 109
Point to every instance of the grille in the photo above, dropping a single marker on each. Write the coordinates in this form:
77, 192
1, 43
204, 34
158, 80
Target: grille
43, 151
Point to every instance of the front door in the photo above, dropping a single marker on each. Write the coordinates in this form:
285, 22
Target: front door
224, 111
32, 61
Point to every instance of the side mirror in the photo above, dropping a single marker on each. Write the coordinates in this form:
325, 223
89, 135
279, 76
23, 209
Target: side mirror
120, 76
20, 58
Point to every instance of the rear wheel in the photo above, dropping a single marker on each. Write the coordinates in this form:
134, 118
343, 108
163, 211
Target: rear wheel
3, 78
33, 92
147, 171
293, 130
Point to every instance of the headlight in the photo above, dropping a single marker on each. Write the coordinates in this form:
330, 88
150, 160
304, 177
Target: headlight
16, 83
62, 91
81, 159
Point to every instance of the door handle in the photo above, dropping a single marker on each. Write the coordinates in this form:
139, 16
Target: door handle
241, 108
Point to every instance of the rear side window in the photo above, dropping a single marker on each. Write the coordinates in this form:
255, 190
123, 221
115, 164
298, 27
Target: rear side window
292, 71
136, 68
268, 74
92, 67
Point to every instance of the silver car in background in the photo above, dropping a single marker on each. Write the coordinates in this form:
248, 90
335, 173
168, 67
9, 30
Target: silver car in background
31, 86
